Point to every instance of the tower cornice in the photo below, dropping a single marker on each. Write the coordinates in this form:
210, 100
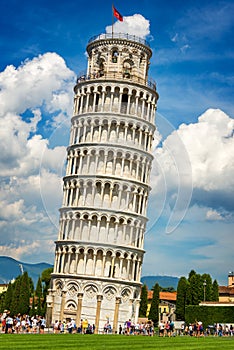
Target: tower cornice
119, 39
108, 146
90, 209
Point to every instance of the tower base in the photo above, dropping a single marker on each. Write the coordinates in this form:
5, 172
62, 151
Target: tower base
99, 301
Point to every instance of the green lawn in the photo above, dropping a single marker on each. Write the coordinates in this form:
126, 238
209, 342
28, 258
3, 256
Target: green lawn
102, 342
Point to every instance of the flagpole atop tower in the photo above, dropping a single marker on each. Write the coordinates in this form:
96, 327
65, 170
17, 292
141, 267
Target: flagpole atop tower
112, 20
115, 13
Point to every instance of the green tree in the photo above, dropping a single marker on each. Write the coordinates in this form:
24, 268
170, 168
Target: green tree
188, 294
8, 297
2, 301
38, 290
194, 286
38, 294
24, 297
15, 296
191, 274
181, 299
154, 309
215, 291
31, 286
45, 278
144, 301
195, 289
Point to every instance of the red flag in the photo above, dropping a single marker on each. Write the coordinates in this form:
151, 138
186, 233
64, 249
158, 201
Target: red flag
117, 14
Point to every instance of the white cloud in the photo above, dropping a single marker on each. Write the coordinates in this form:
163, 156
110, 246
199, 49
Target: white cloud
29, 166
198, 155
213, 215
175, 38
210, 146
33, 84
184, 48
133, 25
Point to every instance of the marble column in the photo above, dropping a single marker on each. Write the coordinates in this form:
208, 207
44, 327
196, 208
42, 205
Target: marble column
62, 305
116, 314
98, 311
79, 307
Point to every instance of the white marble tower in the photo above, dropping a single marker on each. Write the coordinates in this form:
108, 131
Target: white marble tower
99, 251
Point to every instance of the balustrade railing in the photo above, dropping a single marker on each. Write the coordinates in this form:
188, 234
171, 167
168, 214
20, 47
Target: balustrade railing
127, 36
117, 76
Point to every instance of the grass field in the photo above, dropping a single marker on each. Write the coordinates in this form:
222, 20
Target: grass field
102, 342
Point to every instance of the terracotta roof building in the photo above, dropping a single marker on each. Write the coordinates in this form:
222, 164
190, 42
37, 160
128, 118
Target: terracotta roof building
226, 294
166, 306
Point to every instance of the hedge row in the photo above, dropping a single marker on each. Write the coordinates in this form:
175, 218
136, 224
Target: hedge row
209, 315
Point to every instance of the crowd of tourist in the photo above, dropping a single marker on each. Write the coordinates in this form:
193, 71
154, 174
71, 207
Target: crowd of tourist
70, 326
197, 330
37, 324
128, 328
21, 323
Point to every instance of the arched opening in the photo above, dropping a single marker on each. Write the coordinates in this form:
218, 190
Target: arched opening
124, 102
99, 262
101, 70
127, 69
114, 56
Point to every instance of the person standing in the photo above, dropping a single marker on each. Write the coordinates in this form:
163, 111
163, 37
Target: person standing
9, 324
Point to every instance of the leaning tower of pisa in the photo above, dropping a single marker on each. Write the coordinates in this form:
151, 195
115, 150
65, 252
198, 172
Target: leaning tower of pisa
99, 251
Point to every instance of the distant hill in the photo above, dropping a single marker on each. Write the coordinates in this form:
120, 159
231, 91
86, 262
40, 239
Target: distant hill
10, 269
163, 281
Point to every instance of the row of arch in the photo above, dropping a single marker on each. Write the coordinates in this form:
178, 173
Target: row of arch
74, 288
106, 97
98, 262
102, 129
122, 163
98, 193
99, 227
91, 290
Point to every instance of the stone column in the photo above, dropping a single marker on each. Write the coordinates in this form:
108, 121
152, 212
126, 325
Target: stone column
62, 305
103, 100
50, 304
94, 100
136, 313
79, 307
137, 102
87, 101
148, 108
116, 314
81, 103
111, 101
143, 109
128, 105
120, 101
97, 319
69, 161
78, 128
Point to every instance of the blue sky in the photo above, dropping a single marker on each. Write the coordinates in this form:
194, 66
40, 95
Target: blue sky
42, 45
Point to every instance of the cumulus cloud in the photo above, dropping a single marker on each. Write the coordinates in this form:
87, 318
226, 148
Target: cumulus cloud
196, 163
30, 166
213, 215
133, 25
34, 83
210, 146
